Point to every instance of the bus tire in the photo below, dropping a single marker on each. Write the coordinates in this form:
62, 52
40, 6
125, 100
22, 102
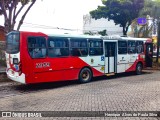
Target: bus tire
85, 75
139, 69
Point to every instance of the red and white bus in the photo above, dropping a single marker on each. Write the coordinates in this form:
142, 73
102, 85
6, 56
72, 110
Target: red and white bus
34, 57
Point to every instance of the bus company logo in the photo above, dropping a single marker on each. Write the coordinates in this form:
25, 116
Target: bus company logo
42, 65
122, 59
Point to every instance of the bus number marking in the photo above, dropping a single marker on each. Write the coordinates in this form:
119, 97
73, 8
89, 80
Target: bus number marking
42, 65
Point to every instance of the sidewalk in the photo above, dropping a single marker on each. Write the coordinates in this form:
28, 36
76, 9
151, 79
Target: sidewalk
2, 69
3, 76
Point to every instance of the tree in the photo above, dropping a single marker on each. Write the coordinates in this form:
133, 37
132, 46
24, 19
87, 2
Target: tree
151, 8
8, 8
147, 9
103, 32
120, 11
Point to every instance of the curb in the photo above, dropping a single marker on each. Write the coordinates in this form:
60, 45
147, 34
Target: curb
1, 71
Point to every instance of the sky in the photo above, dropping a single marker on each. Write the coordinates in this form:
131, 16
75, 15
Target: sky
57, 13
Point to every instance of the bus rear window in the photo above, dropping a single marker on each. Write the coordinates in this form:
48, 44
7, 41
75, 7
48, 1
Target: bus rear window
12, 43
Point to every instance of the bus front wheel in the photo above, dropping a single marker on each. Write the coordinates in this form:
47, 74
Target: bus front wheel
85, 75
139, 69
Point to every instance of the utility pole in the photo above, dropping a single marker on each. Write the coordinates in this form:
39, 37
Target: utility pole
158, 32
158, 40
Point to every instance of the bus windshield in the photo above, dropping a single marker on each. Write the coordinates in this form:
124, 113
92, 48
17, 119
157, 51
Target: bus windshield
12, 43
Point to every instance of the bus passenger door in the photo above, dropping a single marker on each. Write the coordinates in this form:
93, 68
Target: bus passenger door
110, 57
149, 54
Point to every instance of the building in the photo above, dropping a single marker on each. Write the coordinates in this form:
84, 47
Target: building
90, 25
2, 33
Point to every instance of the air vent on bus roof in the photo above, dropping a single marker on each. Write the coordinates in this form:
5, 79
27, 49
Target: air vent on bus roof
111, 37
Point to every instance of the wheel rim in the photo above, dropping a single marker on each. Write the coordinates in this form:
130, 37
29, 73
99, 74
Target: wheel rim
85, 75
139, 68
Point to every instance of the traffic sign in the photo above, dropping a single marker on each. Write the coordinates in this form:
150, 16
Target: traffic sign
141, 21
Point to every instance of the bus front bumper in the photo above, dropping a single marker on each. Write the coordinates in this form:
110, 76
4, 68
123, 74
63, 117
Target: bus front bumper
17, 78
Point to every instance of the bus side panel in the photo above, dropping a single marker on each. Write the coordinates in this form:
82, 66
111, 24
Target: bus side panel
132, 67
132, 62
60, 69
96, 63
122, 60
26, 61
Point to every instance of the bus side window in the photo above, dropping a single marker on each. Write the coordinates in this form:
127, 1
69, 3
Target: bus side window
139, 46
44, 51
95, 47
75, 52
37, 47
122, 47
58, 47
131, 47
51, 53
64, 51
37, 53
54, 52
79, 47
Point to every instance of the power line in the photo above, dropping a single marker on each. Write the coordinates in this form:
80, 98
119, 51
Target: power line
106, 27
47, 27
32, 25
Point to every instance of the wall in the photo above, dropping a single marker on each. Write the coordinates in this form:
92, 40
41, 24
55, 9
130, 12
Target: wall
92, 25
2, 33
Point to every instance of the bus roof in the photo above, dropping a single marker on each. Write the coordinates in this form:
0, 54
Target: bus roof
65, 35
115, 37
124, 38
131, 38
74, 36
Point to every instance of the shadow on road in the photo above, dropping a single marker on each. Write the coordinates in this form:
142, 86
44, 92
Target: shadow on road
54, 85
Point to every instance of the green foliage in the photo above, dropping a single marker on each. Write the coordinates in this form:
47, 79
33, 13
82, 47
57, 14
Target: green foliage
151, 8
122, 12
147, 10
145, 31
88, 33
103, 32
